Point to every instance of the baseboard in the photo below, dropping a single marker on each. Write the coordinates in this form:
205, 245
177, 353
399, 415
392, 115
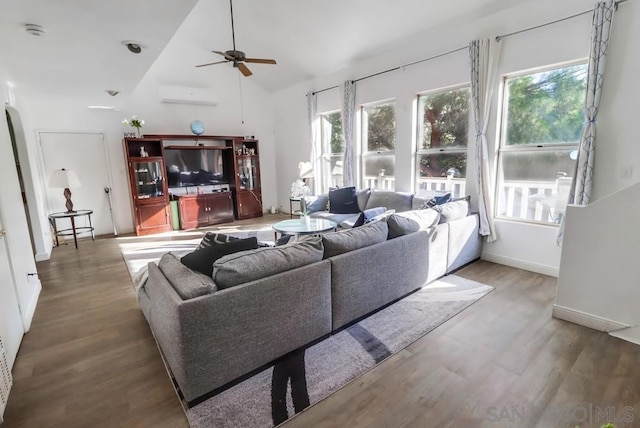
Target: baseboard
631, 334
30, 310
521, 264
587, 320
40, 257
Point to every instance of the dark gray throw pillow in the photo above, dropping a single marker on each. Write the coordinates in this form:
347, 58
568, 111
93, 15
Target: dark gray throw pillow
202, 259
436, 200
211, 238
343, 201
367, 215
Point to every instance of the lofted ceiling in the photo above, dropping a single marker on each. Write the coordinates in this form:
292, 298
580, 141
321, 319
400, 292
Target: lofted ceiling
81, 54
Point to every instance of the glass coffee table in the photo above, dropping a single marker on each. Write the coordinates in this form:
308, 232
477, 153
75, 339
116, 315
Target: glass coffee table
302, 226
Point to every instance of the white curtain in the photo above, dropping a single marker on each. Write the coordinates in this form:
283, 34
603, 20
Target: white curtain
484, 63
312, 114
600, 32
348, 120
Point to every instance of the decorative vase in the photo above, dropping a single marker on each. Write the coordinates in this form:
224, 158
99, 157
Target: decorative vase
138, 132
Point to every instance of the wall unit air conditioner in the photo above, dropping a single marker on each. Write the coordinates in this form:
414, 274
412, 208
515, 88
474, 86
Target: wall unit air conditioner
187, 95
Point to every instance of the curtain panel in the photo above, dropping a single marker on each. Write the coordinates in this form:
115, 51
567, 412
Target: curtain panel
348, 120
581, 184
316, 150
484, 57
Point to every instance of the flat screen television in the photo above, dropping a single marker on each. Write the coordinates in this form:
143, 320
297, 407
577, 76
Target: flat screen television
194, 167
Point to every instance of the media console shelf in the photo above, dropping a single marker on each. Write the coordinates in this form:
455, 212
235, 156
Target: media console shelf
229, 188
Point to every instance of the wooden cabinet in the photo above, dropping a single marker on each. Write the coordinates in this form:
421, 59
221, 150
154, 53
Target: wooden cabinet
247, 183
149, 194
205, 209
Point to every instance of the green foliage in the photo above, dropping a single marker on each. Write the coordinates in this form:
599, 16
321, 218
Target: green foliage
546, 107
445, 119
333, 121
381, 127
445, 123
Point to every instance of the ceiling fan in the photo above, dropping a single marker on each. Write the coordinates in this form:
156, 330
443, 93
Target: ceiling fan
238, 58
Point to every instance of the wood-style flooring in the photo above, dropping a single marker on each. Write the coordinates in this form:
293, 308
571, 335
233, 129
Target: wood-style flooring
90, 360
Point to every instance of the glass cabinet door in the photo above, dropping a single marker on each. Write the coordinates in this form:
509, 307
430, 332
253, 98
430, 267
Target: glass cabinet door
248, 172
148, 179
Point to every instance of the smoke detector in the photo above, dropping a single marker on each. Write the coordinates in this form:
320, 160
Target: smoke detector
134, 47
34, 29
112, 92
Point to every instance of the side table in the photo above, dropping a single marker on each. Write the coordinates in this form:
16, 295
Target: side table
73, 230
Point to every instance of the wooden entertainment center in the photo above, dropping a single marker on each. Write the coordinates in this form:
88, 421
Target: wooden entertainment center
212, 179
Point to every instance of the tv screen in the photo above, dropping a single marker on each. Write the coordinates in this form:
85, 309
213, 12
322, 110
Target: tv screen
189, 167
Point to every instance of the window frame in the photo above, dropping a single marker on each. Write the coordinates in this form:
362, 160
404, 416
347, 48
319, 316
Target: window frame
363, 133
441, 150
503, 147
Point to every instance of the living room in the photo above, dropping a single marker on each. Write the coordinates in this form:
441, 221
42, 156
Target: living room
276, 112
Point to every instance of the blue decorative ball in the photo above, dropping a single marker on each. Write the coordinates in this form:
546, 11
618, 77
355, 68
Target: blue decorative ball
197, 127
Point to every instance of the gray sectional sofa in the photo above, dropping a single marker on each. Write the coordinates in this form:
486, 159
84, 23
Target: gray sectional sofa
262, 304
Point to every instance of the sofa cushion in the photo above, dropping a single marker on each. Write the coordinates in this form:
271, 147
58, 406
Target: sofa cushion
399, 201
453, 210
412, 221
436, 200
187, 283
351, 239
343, 201
367, 216
247, 266
201, 260
317, 203
363, 196
211, 238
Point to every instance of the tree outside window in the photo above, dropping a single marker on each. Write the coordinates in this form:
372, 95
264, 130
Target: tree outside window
378, 145
443, 129
332, 149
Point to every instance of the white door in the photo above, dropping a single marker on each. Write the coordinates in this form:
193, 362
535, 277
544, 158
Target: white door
86, 155
11, 328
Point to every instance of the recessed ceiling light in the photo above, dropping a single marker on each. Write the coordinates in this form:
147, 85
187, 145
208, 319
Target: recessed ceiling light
133, 46
34, 29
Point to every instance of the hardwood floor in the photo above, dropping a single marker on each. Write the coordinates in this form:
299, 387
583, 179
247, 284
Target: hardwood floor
90, 360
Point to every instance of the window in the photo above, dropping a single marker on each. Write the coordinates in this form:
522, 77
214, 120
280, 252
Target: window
543, 114
443, 134
332, 149
378, 145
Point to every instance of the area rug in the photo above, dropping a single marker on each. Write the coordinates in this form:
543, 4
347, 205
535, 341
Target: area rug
307, 376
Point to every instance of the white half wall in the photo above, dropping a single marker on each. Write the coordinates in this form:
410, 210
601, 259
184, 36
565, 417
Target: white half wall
599, 269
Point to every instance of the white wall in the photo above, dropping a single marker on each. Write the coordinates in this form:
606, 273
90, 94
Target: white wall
554, 44
176, 66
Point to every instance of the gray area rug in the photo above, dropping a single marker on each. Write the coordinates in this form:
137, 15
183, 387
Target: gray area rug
307, 376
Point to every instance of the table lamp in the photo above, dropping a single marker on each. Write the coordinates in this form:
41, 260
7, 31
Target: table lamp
64, 179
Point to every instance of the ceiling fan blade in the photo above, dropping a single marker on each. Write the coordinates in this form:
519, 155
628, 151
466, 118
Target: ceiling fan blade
212, 63
260, 60
243, 69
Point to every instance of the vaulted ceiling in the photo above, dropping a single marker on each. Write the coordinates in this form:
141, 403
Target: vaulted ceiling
81, 54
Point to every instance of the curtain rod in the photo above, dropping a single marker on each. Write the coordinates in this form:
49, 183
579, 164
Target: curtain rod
498, 38
395, 68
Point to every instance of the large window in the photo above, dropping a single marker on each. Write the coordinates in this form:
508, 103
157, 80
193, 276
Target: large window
542, 118
332, 149
378, 145
443, 134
